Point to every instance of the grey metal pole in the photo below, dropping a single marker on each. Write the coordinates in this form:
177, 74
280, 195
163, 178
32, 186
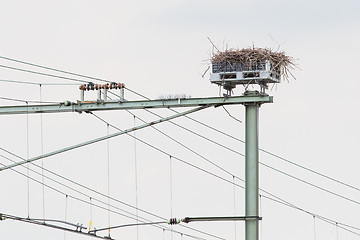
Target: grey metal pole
251, 171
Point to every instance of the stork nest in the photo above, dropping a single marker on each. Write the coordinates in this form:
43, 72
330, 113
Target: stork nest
248, 56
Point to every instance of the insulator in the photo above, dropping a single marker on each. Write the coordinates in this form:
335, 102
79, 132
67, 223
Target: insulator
112, 85
97, 86
87, 87
173, 221
67, 103
82, 87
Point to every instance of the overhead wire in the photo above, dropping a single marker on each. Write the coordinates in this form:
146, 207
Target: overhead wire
231, 174
53, 69
281, 201
171, 192
42, 152
111, 210
25, 101
183, 145
294, 163
234, 198
27, 157
100, 79
38, 83
108, 172
314, 227
136, 179
260, 149
99, 193
42, 222
103, 138
66, 204
266, 165
269, 197
167, 154
129, 225
43, 74
333, 222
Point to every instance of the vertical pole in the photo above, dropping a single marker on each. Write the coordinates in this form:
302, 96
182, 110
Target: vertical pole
99, 95
105, 94
82, 95
251, 171
121, 93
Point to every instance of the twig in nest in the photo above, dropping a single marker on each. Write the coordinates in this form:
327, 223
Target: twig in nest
214, 46
247, 57
205, 72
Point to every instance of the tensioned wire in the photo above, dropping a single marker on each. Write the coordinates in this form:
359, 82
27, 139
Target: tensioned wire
278, 201
104, 137
24, 101
228, 135
266, 165
273, 197
27, 157
53, 69
174, 110
136, 177
38, 83
43, 74
242, 141
336, 223
105, 207
99, 193
42, 152
321, 188
99, 79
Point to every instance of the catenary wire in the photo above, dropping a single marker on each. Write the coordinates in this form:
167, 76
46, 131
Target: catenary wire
189, 117
99, 79
43, 74
266, 165
183, 145
104, 137
27, 157
281, 201
53, 69
25, 101
42, 223
262, 150
42, 152
133, 91
38, 83
272, 197
101, 194
105, 208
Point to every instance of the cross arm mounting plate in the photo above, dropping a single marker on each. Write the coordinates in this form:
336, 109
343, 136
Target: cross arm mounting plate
122, 105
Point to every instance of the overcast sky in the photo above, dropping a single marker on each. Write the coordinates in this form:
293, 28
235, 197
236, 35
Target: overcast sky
159, 48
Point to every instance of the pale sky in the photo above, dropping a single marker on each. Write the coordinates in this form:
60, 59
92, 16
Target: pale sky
159, 48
